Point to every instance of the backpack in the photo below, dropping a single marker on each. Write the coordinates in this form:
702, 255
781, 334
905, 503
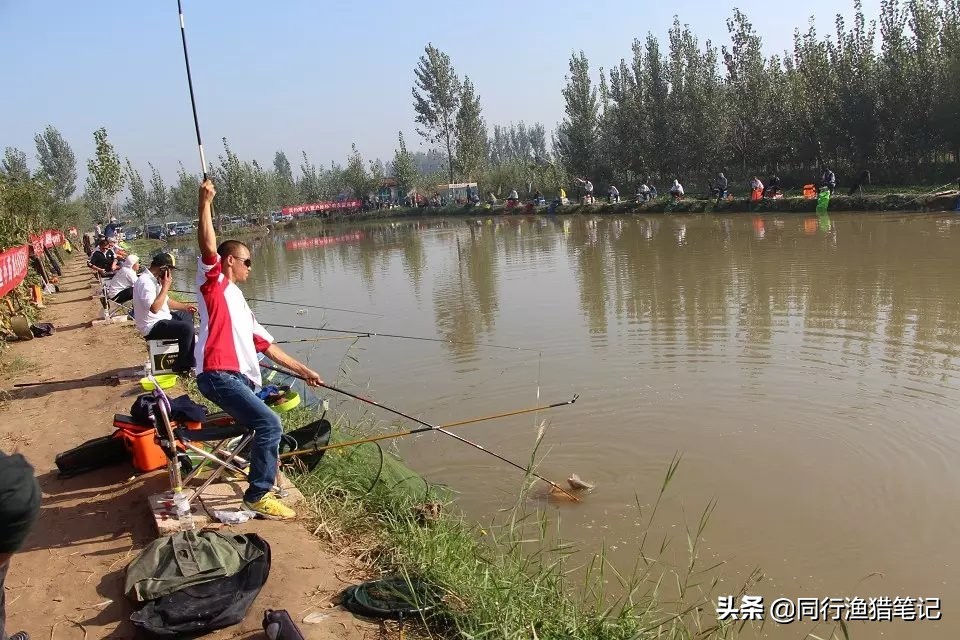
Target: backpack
207, 606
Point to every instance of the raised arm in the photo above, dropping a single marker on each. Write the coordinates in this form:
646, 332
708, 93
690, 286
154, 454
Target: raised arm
206, 236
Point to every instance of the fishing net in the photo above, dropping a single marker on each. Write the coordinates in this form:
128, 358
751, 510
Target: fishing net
395, 597
364, 467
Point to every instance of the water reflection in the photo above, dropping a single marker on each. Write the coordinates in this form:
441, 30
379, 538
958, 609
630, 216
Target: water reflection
879, 285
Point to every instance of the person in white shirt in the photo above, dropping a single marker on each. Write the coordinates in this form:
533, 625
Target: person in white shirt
151, 311
120, 287
676, 190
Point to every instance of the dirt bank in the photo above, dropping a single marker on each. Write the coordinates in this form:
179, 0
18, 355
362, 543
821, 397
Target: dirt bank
67, 582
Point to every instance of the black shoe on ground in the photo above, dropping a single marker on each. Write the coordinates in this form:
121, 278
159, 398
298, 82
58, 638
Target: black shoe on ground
19, 635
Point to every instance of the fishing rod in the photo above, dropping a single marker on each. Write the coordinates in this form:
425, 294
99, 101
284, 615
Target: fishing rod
362, 335
929, 193
313, 306
398, 434
110, 380
371, 334
297, 304
430, 427
193, 101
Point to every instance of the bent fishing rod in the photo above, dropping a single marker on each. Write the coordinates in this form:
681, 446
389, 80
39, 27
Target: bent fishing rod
372, 334
430, 427
409, 432
297, 304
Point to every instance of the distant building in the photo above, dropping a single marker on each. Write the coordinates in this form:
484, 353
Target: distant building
457, 191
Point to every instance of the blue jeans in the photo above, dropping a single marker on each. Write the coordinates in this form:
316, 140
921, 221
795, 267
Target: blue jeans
233, 393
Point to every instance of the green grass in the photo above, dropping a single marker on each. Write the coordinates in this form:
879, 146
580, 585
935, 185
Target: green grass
511, 578
507, 579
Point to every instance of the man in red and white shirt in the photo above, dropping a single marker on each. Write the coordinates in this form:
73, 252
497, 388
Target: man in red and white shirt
226, 355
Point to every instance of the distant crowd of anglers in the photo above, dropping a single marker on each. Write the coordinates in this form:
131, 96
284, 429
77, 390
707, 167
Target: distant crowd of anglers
718, 189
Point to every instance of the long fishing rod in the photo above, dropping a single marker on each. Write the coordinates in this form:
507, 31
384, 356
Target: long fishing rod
398, 434
193, 101
929, 193
297, 304
313, 306
432, 428
371, 334
362, 335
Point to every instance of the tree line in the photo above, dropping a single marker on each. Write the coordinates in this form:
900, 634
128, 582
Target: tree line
878, 96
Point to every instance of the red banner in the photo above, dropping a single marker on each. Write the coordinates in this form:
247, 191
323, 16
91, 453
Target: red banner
49, 238
322, 241
323, 206
13, 268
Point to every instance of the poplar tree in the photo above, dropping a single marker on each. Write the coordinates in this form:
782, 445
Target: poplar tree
105, 176
577, 134
471, 134
436, 100
57, 163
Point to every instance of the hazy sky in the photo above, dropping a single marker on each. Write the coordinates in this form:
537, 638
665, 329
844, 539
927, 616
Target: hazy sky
315, 75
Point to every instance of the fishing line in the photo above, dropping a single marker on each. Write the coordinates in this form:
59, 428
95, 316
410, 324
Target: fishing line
394, 335
526, 470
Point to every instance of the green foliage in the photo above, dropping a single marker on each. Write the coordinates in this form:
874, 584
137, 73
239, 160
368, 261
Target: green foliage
159, 198
471, 135
310, 185
872, 97
232, 194
436, 100
404, 170
355, 175
14, 166
138, 201
577, 134
183, 195
284, 185
105, 175
57, 163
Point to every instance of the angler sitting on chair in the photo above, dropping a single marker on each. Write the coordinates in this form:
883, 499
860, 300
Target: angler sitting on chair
226, 356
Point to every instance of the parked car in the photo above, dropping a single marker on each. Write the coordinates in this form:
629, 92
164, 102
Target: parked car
131, 233
156, 232
183, 229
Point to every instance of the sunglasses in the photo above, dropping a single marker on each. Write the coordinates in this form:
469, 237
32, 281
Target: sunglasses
246, 261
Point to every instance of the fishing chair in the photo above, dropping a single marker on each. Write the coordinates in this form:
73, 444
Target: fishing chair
110, 307
226, 440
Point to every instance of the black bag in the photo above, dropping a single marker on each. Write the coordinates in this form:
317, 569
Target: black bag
208, 606
278, 625
42, 329
314, 435
142, 409
181, 408
92, 454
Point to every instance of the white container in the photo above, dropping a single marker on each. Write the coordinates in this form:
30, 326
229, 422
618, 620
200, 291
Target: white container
184, 516
163, 353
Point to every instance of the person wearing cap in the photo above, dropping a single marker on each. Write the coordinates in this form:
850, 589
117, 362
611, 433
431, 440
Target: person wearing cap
19, 507
151, 311
228, 369
120, 287
102, 260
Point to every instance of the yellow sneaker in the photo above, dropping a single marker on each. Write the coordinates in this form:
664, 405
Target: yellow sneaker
269, 507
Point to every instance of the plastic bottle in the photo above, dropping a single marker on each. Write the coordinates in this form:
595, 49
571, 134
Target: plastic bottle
147, 369
182, 505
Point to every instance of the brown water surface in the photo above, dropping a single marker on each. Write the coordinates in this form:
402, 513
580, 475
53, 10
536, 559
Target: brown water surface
807, 369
